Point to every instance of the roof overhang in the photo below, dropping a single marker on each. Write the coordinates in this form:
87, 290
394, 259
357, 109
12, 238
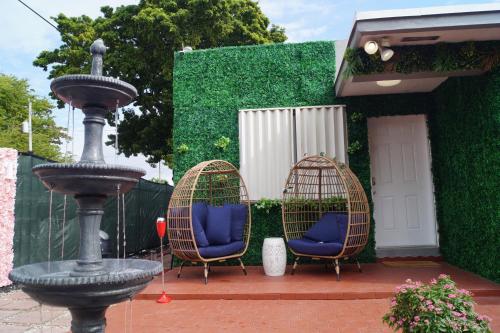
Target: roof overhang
420, 26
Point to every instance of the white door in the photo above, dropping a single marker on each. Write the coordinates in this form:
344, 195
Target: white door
402, 188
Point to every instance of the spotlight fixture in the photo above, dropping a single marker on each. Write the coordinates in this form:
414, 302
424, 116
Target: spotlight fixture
386, 53
371, 47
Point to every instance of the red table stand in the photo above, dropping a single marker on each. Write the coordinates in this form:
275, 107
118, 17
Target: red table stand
161, 225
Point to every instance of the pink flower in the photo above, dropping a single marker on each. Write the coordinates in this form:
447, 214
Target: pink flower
465, 292
433, 281
393, 303
408, 281
428, 302
400, 322
431, 307
416, 318
484, 317
448, 286
452, 296
450, 306
456, 314
392, 319
442, 276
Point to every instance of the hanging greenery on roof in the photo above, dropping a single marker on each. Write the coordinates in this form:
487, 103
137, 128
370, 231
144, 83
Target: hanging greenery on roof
441, 57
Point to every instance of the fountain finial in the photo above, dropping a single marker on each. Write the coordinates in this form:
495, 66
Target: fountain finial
98, 49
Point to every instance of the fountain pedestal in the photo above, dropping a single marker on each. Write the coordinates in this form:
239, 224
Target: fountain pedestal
89, 285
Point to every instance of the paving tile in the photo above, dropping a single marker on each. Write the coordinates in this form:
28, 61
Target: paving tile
63, 320
31, 317
7, 313
48, 329
20, 304
4, 328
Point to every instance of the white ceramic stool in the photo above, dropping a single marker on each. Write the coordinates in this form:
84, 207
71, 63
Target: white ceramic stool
274, 256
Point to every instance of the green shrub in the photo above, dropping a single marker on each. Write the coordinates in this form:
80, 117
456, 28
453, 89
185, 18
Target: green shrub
435, 307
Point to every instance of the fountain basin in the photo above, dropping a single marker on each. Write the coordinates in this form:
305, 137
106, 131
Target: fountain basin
52, 284
84, 90
88, 178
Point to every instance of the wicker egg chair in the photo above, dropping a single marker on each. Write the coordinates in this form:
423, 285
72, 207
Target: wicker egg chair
319, 189
214, 183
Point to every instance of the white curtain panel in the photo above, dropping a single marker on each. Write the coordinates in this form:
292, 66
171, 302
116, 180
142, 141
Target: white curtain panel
270, 143
266, 150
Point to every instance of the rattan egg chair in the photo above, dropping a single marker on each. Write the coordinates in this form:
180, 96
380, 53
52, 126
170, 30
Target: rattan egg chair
216, 185
320, 190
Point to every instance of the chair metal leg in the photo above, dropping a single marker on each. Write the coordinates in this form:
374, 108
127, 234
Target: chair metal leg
359, 266
295, 263
242, 266
180, 270
206, 272
337, 269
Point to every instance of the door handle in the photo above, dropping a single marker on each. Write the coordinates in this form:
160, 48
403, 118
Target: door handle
373, 181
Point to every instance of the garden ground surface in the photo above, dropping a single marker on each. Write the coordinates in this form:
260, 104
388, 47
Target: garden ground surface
309, 301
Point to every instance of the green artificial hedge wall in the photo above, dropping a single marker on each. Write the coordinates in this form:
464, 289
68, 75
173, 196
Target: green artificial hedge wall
465, 138
210, 86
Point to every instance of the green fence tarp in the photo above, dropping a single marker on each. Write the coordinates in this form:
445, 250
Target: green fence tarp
143, 204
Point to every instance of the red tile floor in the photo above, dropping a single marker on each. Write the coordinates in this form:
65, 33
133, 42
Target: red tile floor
309, 301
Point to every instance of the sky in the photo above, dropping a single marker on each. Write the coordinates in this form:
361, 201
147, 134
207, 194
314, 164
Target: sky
25, 35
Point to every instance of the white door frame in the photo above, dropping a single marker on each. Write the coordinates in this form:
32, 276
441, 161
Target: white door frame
416, 120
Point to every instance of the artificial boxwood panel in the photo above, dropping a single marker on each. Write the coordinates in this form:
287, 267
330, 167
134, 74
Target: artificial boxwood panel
210, 86
465, 138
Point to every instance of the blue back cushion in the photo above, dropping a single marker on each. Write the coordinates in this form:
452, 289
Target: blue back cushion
239, 215
331, 227
218, 225
342, 223
199, 221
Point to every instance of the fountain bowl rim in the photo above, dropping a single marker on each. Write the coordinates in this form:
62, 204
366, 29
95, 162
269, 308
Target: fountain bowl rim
95, 78
18, 275
88, 167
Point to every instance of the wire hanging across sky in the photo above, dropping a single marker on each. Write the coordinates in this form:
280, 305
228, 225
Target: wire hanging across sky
39, 15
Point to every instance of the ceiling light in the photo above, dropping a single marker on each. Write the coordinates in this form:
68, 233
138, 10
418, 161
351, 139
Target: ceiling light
371, 47
388, 83
386, 53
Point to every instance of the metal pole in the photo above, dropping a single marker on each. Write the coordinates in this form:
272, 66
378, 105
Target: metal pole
30, 135
163, 268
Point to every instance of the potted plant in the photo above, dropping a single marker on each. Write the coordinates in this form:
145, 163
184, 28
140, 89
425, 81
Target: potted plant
435, 307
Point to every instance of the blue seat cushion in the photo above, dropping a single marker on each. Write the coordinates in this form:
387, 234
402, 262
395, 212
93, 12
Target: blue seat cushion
239, 215
198, 219
307, 246
331, 227
218, 229
216, 251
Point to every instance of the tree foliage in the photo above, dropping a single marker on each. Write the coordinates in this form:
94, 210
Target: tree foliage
14, 96
142, 40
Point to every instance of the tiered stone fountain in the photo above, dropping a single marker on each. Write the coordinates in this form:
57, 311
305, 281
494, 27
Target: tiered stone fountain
89, 285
